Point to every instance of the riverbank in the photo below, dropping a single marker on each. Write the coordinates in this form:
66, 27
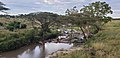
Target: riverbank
35, 51
14, 40
63, 52
14, 53
17, 39
105, 44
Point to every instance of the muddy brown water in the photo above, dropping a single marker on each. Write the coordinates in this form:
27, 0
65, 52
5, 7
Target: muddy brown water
35, 51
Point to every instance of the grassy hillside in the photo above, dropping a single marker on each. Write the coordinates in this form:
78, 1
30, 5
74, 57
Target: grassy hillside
10, 40
105, 44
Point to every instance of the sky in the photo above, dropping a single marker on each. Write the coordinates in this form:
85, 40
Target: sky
55, 6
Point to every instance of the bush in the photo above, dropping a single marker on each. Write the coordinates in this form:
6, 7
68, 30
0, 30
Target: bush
23, 26
1, 24
49, 35
15, 25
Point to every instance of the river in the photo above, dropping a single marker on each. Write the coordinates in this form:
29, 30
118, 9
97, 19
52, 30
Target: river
35, 51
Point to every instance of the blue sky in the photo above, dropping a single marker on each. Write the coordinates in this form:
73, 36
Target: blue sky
55, 6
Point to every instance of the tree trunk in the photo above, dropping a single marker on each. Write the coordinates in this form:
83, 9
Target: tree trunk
83, 32
98, 28
43, 51
42, 54
43, 46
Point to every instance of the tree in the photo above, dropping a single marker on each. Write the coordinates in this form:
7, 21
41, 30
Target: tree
71, 11
2, 7
95, 14
76, 18
99, 11
46, 20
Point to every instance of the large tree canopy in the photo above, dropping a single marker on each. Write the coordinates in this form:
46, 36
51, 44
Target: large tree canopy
45, 21
98, 10
76, 18
95, 14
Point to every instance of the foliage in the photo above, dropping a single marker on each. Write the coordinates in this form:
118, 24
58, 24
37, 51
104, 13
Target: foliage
14, 40
98, 10
23, 26
93, 15
78, 19
49, 35
1, 24
45, 20
15, 25
2, 7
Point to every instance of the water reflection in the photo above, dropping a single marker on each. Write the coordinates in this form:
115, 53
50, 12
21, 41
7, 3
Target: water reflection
37, 51
30, 53
52, 47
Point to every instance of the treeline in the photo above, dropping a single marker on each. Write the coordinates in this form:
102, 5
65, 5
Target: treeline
116, 19
92, 16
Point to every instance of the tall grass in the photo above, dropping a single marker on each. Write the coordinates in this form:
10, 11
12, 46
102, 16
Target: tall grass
105, 44
12, 40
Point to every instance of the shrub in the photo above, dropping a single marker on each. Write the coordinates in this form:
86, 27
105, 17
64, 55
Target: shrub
49, 35
15, 25
1, 24
23, 26
15, 40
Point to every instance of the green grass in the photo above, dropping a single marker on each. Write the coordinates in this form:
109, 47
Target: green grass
10, 40
105, 44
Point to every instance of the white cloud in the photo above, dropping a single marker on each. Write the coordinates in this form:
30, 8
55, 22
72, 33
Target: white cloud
2, 13
61, 1
116, 10
51, 1
37, 3
116, 14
